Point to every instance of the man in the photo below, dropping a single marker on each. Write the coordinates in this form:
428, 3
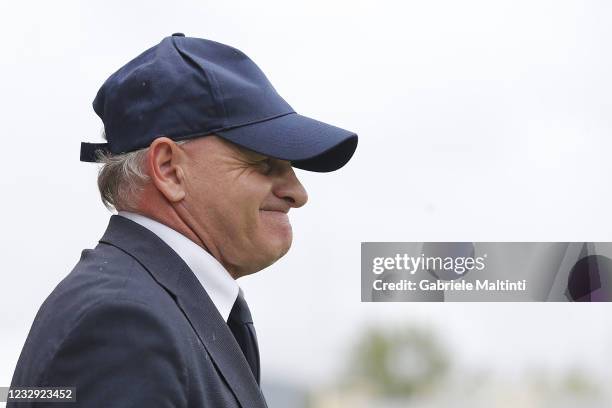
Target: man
199, 164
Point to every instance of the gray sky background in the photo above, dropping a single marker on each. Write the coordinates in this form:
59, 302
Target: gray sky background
478, 121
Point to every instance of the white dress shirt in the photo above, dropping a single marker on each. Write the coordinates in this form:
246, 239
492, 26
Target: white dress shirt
214, 278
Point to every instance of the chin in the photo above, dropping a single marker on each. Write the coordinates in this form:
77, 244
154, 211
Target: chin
264, 250
277, 236
281, 247
274, 238
275, 248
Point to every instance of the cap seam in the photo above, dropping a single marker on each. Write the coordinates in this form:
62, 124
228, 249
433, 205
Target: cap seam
209, 132
217, 88
214, 92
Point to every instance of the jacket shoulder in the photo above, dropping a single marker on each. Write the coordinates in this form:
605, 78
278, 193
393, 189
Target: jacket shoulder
107, 286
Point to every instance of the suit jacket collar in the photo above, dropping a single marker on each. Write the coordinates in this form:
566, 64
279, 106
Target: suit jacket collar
171, 272
216, 280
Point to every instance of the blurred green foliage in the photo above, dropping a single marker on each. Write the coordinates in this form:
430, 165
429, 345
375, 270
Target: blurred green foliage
402, 362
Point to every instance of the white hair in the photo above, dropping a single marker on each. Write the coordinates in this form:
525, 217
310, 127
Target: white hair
122, 177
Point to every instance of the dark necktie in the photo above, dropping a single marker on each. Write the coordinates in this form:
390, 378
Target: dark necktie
241, 325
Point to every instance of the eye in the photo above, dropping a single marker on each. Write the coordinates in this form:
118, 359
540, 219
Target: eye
265, 165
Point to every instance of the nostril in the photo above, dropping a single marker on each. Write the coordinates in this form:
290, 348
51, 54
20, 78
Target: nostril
290, 200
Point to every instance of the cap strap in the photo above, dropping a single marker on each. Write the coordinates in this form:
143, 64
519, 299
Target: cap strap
88, 151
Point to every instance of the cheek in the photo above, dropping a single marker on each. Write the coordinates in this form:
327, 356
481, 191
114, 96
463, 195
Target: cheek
231, 206
265, 233
238, 206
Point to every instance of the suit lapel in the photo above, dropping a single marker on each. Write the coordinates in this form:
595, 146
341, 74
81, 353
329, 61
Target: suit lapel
170, 271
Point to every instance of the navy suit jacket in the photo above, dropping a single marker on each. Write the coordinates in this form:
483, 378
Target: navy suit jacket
131, 326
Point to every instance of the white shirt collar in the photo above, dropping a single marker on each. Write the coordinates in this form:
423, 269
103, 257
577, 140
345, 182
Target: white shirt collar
218, 283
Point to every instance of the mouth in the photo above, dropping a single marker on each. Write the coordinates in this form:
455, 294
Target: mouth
283, 210
275, 216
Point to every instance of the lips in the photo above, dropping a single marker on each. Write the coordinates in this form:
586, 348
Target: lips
284, 210
277, 218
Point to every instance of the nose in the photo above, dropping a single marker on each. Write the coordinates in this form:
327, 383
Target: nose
287, 186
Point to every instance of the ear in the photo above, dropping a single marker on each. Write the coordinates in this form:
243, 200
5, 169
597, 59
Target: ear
165, 161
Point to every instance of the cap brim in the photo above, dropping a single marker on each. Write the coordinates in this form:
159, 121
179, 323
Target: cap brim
308, 143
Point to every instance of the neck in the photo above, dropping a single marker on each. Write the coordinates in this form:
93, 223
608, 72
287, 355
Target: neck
183, 224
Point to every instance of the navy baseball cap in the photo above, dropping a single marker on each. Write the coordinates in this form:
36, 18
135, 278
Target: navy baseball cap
187, 87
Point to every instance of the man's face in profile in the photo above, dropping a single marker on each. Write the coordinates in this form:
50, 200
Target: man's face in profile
239, 200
